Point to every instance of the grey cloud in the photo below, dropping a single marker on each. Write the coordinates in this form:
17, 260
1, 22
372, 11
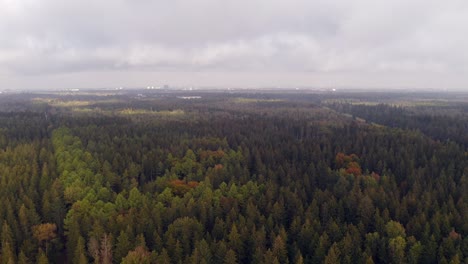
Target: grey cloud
319, 42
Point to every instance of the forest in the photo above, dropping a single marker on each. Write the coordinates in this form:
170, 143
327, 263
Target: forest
247, 176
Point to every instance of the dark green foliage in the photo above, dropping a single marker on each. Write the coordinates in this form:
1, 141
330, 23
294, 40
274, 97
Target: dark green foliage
233, 180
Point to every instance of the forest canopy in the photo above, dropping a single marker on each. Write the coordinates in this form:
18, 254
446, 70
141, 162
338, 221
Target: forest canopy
245, 177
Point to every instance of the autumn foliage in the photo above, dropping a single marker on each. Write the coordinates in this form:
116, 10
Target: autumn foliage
218, 167
348, 162
180, 187
44, 232
342, 160
354, 169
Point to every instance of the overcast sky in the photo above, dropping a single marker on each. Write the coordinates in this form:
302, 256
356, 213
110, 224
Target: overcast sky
238, 43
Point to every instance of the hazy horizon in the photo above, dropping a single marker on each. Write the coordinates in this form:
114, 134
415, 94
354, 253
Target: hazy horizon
366, 44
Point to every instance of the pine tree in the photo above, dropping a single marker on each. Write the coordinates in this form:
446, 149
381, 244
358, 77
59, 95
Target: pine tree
299, 259
80, 252
230, 257
333, 255
279, 250
164, 258
22, 259
123, 246
42, 258
7, 251
235, 242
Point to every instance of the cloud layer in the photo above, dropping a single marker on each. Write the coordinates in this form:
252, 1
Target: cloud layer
53, 43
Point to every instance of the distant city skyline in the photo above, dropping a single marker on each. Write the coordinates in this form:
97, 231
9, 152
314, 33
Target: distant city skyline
52, 44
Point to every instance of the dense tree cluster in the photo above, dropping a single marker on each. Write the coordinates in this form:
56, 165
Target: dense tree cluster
446, 122
233, 182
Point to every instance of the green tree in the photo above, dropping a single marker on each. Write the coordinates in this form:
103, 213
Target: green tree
80, 252
123, 246
164, 258
7, 252
394, 229
415, 253
279, 250
138, 256
397, 247
235, 242
22, 259
42, 258
230, 257
333, 255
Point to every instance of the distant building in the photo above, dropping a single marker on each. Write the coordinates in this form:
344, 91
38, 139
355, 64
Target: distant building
189, 97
